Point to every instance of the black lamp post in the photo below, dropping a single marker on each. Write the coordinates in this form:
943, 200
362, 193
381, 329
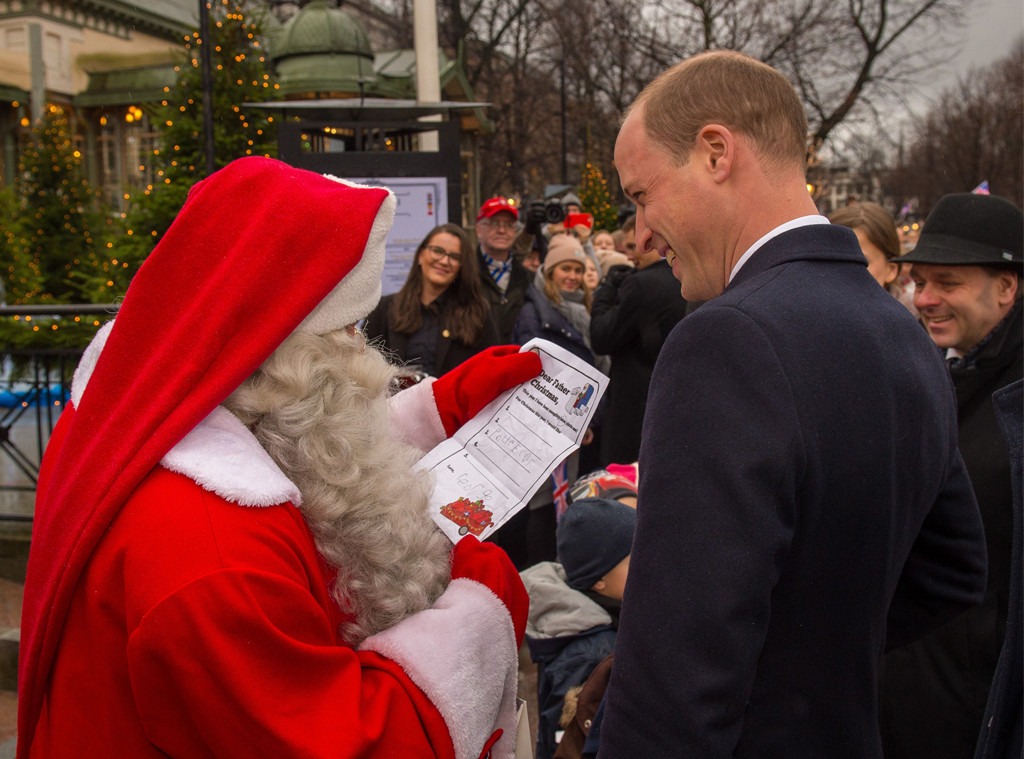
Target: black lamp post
206, 69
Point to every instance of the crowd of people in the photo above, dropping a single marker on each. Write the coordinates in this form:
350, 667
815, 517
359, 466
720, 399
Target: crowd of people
793, 529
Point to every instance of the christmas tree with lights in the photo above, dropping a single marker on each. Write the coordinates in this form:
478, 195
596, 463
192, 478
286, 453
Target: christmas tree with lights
240, 74
55, 240
56, 237
596, 199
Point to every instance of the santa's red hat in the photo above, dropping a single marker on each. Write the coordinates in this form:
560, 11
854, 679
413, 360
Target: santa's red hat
259, 250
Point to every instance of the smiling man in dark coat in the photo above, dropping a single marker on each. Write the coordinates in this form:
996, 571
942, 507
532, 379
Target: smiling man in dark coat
802, 500
966, 270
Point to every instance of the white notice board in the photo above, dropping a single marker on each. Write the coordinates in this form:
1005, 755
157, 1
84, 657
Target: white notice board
422, 205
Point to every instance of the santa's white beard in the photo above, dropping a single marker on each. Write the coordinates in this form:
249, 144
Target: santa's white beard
318, 405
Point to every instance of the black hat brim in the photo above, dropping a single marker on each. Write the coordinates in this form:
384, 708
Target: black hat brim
944, 250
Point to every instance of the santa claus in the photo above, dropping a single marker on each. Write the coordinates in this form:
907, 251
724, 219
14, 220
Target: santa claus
232, 554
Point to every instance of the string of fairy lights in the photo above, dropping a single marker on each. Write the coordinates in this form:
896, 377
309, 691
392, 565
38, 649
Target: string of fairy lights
57, 227
241, 64
103, 257
596, 198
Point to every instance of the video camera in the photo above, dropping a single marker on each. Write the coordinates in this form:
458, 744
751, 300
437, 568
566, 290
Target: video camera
539, 213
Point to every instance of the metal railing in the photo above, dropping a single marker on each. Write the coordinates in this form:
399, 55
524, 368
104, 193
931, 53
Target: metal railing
35, 383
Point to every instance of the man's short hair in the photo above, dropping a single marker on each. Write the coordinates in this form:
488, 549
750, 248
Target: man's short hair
731, 89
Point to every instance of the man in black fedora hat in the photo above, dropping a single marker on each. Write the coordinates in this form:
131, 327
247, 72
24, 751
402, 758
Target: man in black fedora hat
967, 273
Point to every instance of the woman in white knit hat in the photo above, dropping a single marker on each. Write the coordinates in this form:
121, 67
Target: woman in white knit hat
557, 306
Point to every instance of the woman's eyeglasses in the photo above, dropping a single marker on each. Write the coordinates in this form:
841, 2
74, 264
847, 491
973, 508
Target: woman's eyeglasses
437, 252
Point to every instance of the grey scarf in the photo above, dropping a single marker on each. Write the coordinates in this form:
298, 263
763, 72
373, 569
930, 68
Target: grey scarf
571, 307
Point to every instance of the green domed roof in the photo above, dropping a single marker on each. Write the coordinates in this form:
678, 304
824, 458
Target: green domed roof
320, 28
323, 49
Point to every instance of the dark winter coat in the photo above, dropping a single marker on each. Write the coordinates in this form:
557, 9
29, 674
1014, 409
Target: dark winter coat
934, 691
633, 313
568, 634
802, 504
448, 351
1001, 733
505, 306
540, 318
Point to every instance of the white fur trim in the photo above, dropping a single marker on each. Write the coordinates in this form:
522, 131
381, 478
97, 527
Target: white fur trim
357, 294
222, 456
219, 454
86, 366
468, 670
414, 416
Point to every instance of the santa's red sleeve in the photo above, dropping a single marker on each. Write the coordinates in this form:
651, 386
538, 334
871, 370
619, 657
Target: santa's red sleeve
204, 625
276, 683
206, 628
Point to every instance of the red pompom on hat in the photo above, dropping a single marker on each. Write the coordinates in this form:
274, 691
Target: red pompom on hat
259, 250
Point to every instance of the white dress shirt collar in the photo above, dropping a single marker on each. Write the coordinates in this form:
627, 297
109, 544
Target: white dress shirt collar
802, 221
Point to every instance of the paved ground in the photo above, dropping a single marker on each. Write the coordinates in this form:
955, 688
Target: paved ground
527, 690
8, 716
10, 618
15, 499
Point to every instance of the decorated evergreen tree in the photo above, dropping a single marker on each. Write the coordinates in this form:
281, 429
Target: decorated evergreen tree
55, 239
11, 270
240, 75
596, 199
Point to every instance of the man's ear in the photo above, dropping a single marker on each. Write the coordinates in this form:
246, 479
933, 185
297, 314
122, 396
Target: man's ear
717, 146
599, 586
1009, 284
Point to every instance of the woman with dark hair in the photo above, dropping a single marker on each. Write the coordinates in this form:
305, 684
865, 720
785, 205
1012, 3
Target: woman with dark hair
440, 317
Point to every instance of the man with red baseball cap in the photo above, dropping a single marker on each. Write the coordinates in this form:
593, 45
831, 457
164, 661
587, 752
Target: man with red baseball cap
232, 553
505, 279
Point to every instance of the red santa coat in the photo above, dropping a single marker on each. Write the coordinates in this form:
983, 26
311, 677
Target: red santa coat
205, 628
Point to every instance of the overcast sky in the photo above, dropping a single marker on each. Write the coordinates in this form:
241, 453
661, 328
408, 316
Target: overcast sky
993, 26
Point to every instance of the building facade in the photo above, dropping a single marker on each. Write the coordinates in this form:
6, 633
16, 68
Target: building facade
99, 59
104, 61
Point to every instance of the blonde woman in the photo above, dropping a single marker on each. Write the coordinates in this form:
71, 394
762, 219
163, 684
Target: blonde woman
557, 306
